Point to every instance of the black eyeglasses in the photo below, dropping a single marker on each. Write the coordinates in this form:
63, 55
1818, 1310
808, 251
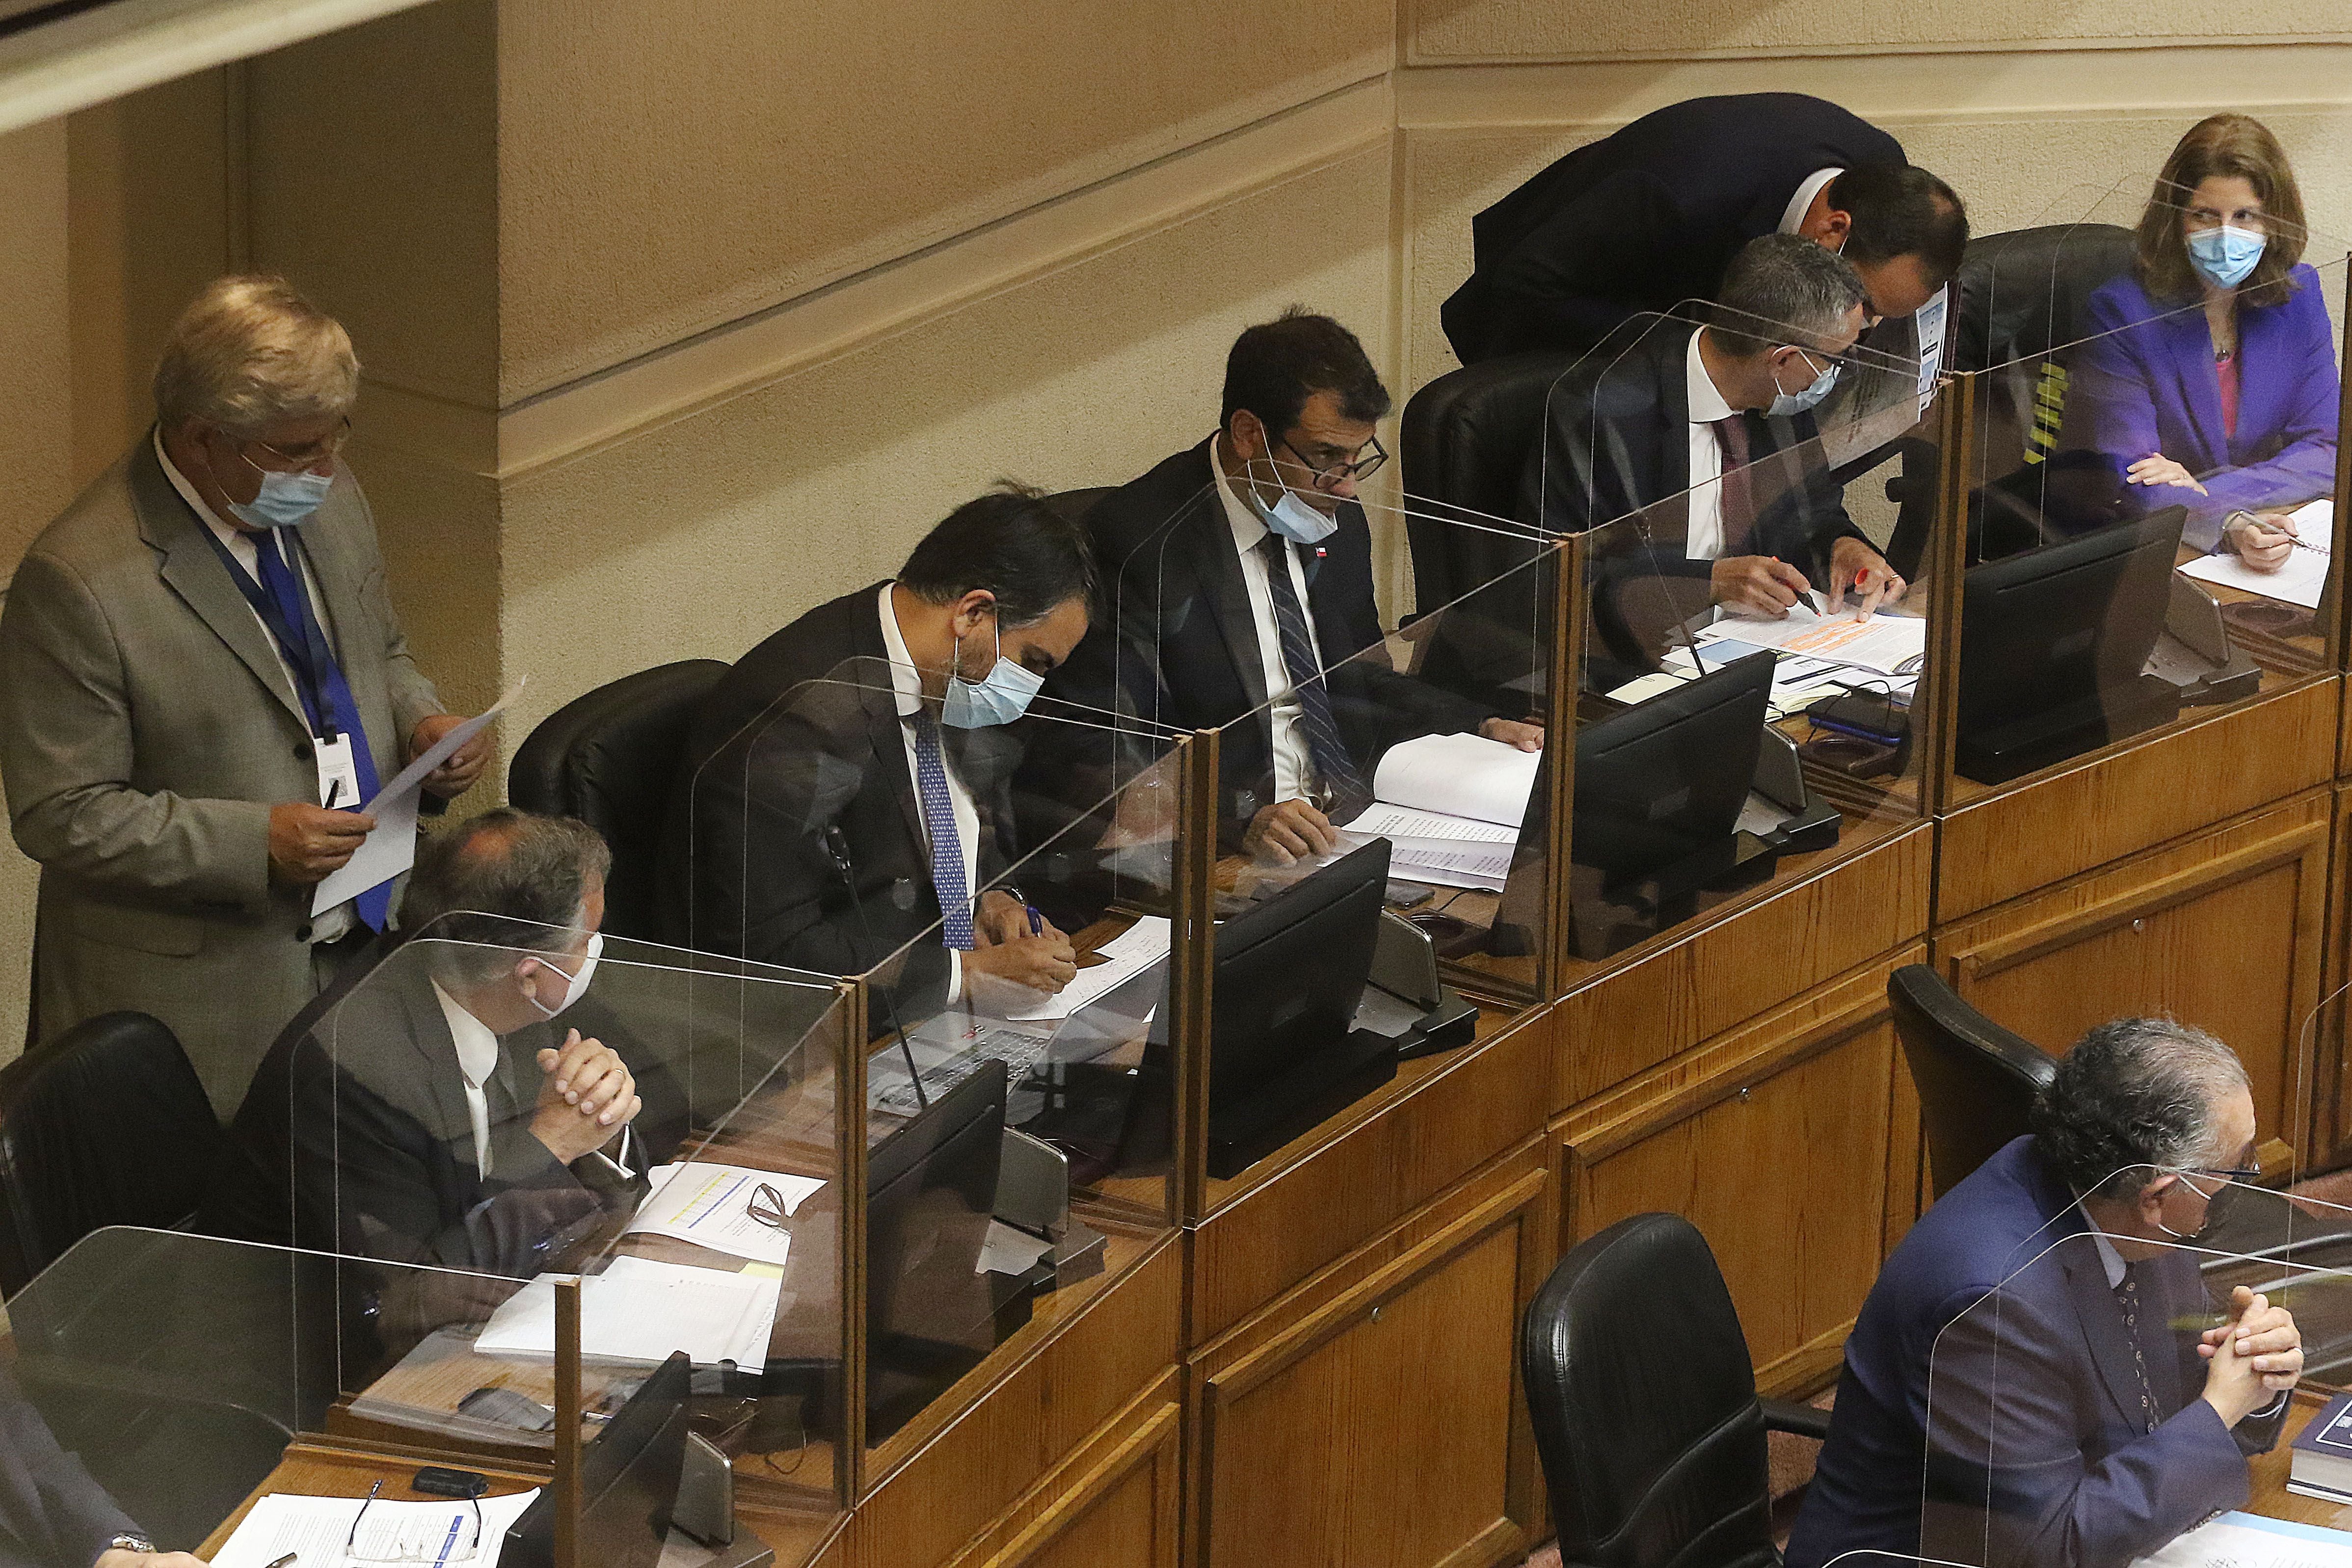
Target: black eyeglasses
767, 1208
1361, 467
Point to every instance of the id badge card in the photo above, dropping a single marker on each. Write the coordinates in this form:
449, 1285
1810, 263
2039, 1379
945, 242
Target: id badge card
339, 773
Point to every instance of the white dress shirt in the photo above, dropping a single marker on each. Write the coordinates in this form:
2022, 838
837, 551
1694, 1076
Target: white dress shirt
907, 685
1704, 538
1293, 760
477, 1058
328, 926
1794, 217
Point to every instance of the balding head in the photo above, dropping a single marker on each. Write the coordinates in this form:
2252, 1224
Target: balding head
507, 880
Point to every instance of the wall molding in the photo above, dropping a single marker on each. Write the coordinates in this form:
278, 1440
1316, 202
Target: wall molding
1893, 87
1415, 57
613, 406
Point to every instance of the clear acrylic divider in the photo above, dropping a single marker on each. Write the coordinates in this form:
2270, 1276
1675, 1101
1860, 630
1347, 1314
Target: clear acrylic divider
1020, 1092
2130, 563
497, 1104
2089, 1407
1738, 717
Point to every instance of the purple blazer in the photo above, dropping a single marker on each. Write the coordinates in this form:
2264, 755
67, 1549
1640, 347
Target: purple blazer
2146, 384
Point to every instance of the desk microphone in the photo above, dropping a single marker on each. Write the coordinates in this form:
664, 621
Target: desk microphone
836, 844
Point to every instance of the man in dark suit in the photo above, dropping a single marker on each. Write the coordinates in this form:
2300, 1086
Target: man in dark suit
2040, 1356
429, 1108
1707, 434
1242, 585
1649, 216
846, 790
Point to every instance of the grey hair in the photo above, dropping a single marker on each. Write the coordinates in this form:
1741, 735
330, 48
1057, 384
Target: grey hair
498, 884
2135, 1098
1781, 286
248, 353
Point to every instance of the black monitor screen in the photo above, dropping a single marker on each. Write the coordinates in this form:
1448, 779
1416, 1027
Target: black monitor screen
1666, 780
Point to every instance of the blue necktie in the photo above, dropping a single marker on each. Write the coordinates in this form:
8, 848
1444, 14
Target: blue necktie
947, 849
1332, 764
278, 581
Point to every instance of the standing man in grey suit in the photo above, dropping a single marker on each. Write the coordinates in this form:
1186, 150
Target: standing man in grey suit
201, 678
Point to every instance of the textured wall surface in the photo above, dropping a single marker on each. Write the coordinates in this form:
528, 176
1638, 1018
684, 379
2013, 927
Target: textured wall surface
734, 153
702, 535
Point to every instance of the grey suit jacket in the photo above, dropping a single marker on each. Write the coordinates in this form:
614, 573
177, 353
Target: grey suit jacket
146, 729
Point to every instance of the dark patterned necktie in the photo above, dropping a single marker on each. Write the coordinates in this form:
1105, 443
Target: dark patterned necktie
1333, 765
1734, 498
2128, 1297
940, 825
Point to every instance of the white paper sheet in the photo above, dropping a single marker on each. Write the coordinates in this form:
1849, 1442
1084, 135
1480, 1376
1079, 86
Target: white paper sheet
1381, 820
390, 847
1459, 775
2299, 580
2249, 1541
640, 1311
710, 1205
1890, 644
314, 1529
1928, 325
1124, 956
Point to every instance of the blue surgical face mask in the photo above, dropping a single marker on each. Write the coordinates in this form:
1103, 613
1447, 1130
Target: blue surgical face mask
286, 501
1786, 405
2224, 256
1003, 696
1291, 518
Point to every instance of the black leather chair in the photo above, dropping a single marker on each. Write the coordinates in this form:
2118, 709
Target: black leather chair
608, 759
1644, 1406
1976, 1080
107, 1124
2020, 298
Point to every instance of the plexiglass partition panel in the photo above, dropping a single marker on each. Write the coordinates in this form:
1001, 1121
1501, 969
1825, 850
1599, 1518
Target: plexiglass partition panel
1001, 882
2150, 462
495, 1099
1751, 654
2091, 1403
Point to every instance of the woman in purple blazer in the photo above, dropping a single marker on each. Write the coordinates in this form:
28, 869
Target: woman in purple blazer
2212, 377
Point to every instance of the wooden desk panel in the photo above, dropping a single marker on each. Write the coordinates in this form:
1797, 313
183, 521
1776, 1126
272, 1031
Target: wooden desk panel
1996, 846
2224, 932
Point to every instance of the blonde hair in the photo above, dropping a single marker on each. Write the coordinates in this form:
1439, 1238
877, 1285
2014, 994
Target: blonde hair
2235, 144
249, 352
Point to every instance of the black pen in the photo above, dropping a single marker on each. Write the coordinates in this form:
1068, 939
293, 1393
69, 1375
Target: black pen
285, 1562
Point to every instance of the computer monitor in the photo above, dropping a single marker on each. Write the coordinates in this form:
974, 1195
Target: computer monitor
628, 1479
1283, 1051
1660, 785
2052, 642
930, 1192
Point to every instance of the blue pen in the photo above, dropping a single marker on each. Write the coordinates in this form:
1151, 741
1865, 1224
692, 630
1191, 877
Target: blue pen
1036, 921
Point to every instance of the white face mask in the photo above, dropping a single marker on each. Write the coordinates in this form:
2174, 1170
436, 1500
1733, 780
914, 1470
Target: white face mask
1290, 517
575, 984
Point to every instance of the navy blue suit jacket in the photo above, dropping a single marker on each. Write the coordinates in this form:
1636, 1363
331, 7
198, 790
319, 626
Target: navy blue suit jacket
2144, 383
52, 1515
2036, 1451
1644, 218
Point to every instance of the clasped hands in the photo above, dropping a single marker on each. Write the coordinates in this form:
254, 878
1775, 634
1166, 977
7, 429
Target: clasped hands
2252, 1358
308, 842
586, 1095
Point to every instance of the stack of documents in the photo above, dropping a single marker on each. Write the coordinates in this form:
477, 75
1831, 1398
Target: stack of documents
1884, 644
2303, 577
711, 1205
1450, 806
639, 1311
2250, 1541
313, 1530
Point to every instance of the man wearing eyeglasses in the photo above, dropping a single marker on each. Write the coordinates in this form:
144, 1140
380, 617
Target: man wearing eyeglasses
1707, 432
2041, 1358
202, 680
1242, 572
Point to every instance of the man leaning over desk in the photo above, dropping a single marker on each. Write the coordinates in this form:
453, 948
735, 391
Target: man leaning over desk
199, 653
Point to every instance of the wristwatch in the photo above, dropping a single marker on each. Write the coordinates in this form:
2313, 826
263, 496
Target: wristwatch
138, 1544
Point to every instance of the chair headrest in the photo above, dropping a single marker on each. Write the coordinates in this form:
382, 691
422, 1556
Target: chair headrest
1465, 444
1928, 1010
107, 1124
2023, 293
608, 758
